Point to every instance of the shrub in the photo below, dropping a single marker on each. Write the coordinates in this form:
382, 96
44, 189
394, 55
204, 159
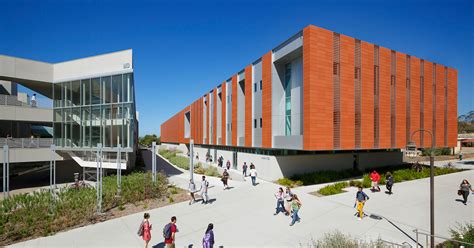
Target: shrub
211, 171
337, 240
436, 151
289, 183
333, 189
325, 176
181, 162
35, 214
355, 183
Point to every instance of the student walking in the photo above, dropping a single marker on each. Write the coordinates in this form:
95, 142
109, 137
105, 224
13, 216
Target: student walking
192, 190
225, 178
289, 198
295, 207
389, 182
144, 230
280, 196
253, 175
169, 233
208, 239
375, 178
464, 189
361, 198
227, 164
244, 169
203, 189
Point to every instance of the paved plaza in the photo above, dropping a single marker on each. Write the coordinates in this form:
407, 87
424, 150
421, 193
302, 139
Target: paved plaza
243, 216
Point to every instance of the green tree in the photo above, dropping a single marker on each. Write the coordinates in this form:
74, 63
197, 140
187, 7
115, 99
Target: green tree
148, 139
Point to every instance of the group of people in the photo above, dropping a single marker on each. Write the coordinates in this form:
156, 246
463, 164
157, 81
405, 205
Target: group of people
169, 232
375, 179
203, 189
252, 172
220, 162
288, 203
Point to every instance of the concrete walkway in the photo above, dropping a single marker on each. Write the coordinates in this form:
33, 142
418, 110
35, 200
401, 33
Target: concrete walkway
243, 217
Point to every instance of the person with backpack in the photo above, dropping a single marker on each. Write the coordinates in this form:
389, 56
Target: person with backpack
389, 182
361, 198
203, 189
208, 239
169, 232
295, 207
225, 178
375, 178
144, 230
280, 196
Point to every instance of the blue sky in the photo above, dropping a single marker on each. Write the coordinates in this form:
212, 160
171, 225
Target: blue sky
184, 48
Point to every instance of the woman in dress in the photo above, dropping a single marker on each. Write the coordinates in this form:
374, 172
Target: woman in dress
208, 240
146, 229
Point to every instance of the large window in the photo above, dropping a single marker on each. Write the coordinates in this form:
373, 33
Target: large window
92, 111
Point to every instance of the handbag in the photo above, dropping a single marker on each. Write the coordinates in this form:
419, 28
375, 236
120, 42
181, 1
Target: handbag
459, 192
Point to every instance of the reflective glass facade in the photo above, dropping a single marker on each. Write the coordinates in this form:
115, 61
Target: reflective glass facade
95, 110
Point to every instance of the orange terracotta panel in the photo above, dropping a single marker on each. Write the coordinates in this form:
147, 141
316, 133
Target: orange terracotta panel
367, 96
428, 103
452, 107
267, 100
384, 102
224, 113
347, 93
415, 98
234, 110
400, 101
318, 89
214, 117
440, 80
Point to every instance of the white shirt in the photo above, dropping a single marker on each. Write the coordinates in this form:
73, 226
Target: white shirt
204, 185
253, 172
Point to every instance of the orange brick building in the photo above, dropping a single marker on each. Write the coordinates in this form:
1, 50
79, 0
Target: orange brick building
322, 91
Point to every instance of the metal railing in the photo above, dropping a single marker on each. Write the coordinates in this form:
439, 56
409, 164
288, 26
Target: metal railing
9, 100
427, 239
27, 142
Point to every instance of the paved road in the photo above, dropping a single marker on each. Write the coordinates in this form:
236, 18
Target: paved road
243, 217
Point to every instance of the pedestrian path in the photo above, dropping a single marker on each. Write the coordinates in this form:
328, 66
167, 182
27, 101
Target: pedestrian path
243, 217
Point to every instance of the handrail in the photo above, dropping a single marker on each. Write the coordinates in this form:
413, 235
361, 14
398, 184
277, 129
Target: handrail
26, 142
439, 237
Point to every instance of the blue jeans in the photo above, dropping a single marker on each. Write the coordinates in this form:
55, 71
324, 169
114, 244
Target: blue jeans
280, 206
244, 172
295, 217
253, 180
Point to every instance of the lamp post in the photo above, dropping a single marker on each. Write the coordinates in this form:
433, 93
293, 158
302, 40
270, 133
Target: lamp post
412, 146
153, 161
191, 158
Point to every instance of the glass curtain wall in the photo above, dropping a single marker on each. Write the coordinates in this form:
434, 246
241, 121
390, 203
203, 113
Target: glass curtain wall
95, 110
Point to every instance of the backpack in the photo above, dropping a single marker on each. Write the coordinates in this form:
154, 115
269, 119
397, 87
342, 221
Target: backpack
167, 231
140, 229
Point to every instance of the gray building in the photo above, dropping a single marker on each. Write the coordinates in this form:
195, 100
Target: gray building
91, 101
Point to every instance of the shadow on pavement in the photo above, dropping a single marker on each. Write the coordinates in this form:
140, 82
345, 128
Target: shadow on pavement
161, 164
159, 245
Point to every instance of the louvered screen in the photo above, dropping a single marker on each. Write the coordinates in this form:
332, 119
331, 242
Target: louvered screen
357, 91
376, 98
336, 92
434, 105
393, 97
408, 98
422, 101
445, 106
